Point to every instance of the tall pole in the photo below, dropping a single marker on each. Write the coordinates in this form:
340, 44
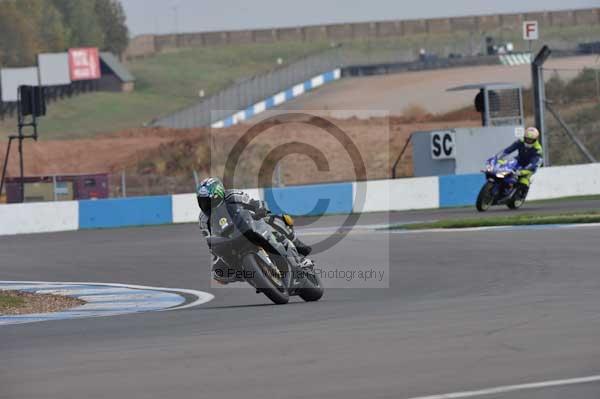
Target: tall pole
539, 96
22, 182
10, 139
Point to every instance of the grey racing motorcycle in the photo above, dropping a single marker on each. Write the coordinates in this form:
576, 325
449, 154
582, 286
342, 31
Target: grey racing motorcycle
260, 251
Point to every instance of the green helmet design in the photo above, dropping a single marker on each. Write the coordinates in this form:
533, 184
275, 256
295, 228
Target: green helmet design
210, 194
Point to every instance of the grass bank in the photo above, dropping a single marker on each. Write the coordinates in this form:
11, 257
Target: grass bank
9, 303
517, 220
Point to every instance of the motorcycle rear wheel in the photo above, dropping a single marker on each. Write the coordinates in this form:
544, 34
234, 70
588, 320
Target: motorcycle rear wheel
271, 286
485, 198
518, 200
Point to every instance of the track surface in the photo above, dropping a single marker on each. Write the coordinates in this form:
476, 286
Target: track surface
464, 311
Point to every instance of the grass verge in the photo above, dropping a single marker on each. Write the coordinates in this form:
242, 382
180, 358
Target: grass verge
518, 220
10, 303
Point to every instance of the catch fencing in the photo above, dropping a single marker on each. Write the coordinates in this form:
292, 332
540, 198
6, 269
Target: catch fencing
572, 115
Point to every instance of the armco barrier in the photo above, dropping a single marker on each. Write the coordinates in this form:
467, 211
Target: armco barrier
38, 218
125, 212
381, 196
279, 99
311, 200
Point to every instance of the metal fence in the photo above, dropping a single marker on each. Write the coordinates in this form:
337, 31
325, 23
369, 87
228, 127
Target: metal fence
131, 184
572, 117
247, 92
252, 90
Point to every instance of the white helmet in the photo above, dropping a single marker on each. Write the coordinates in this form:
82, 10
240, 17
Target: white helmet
532, 135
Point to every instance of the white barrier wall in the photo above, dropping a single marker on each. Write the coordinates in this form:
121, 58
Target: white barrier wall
381, 196
185, 206
45, 217
398, 195
565, 181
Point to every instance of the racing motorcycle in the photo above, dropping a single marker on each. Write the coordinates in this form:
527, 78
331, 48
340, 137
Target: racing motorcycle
501, 187
260, 251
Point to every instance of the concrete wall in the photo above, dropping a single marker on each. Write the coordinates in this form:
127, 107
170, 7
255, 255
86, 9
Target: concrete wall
566, 181
150, 44
396, 195
473, 147
39, 217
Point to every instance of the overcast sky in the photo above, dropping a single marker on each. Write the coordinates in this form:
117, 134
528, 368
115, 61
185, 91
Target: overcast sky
163, 16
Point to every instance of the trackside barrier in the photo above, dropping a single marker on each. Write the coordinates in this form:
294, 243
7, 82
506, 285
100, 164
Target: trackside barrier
397, 195
185, 206
566, 181
43, 217
141, 211
337, 198
320, 199
460, 190
279, 98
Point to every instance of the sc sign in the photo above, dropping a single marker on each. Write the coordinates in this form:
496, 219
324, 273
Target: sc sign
443, 145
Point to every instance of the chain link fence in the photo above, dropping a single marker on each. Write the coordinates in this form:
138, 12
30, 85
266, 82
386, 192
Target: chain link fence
572, 117
131, 184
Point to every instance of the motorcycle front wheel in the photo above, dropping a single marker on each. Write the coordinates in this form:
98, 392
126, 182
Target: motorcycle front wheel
264, 280
314, 290
485, 199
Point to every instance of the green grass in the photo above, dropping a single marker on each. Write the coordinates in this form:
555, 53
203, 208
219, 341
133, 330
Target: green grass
10, 302
164, 83
519, 220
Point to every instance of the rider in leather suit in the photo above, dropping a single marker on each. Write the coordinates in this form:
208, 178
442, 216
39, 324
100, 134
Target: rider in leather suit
211, 193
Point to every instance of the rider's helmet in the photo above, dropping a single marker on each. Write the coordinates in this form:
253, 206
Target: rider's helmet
532, 135
210, 194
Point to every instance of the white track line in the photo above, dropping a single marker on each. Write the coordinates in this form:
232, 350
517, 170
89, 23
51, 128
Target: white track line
383, 229
513, 388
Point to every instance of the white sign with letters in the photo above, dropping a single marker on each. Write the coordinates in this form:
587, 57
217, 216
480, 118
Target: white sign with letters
531, 30
443, 145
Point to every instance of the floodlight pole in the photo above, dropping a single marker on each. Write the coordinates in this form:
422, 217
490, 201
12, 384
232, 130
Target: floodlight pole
539, 96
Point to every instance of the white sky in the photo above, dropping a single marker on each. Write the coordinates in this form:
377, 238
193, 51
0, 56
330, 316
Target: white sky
165, 16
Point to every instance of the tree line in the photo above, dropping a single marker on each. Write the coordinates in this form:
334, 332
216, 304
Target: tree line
30, 27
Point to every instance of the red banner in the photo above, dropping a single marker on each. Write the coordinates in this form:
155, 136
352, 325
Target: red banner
84, 63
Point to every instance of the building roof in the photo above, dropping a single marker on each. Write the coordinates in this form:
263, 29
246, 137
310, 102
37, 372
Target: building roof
488, 86
117, 67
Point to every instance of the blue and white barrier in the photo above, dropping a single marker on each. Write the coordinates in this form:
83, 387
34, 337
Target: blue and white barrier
279, 98
379, 196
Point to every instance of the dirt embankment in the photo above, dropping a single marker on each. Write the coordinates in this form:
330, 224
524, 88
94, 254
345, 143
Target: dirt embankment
176, 153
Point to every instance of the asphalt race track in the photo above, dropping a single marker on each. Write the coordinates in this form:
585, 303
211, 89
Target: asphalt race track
464, 311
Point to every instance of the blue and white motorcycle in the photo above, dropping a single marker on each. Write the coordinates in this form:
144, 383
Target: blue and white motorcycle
501, 187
